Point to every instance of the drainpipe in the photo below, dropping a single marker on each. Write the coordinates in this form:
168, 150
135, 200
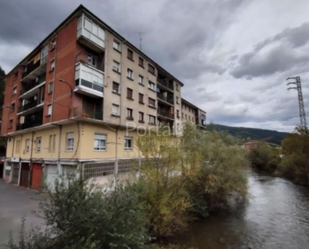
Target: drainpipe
19, 174
116, 153
30, 164
54, 80
59, 150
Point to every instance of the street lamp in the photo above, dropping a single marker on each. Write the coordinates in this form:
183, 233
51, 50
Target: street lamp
63, 81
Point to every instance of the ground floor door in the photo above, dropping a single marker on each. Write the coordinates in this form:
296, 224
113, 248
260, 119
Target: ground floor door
15, 175
24, 176
37, 173
51, 176
1, 170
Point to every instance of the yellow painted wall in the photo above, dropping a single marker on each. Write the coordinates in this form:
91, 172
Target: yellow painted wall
83, 143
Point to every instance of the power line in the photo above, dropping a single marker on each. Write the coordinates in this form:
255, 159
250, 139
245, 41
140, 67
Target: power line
302, 113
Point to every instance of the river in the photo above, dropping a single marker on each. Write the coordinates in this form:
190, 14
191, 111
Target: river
276, 215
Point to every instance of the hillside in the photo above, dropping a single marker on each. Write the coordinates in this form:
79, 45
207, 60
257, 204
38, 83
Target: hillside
252, 133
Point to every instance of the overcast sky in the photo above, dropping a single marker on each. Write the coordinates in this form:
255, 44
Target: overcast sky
233, 56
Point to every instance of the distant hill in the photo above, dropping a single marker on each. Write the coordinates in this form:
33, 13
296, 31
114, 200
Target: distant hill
252, 133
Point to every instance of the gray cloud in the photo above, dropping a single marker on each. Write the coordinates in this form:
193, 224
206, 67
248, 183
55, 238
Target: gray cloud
279, 58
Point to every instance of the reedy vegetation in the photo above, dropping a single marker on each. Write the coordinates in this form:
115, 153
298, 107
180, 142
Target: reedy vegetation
180, 180
294, 164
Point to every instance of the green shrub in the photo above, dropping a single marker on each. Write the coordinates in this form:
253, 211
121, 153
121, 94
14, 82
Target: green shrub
75, 218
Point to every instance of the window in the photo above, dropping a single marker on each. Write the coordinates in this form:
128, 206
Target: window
182, 115
53, 44
49, 110
151, 69
141, 98
115, 109
152, 119
92, 60
129, 113
15, 90
50, 87
38, 144
16, 75
141, 117
70, 141
52, 65
27, 145
141, 80
129, 93
99, 142
178, 114
177, 87
12, 107
141, 62
151, 102
17, 149
11, 124
130, 54
177, 100
116, 66
128, 141
116, 87
130, 74
52, 143
116, 45
151, 85
186, 116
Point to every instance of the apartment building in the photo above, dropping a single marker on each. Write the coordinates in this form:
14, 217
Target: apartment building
77, 100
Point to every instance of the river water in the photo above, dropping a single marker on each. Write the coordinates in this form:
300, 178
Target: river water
276, 215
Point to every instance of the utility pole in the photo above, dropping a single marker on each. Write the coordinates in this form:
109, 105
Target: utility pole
140, 39
302, 113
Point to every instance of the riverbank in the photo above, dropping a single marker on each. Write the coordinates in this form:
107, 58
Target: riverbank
276, 215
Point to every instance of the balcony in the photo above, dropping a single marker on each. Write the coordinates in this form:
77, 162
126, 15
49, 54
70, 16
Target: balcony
89, 81
91, 114
165, 114
34, 70
35, 120
166, 98
90, 34
166, 84
32, 88
30, 107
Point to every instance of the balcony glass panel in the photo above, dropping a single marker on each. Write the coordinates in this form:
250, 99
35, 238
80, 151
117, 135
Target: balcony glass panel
89, 77
91, 31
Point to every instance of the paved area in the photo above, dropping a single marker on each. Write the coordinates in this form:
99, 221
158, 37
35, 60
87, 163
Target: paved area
15, 203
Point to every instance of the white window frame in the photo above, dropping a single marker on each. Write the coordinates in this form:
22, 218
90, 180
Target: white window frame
116, 66
130, 73
117, 45
126, 138
49, 109
92, 60
151, 85
70, 141
97, 138
118, 90
15, 90
27, 145
38, 144
129, 111
50, 89
118, 109
151, 104
52, 65
141, 80
154, 119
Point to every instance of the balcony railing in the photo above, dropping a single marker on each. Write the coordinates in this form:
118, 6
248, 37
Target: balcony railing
93, 114
166, 114
33, 84
29, 105
29, 124
168, 99
166, 83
